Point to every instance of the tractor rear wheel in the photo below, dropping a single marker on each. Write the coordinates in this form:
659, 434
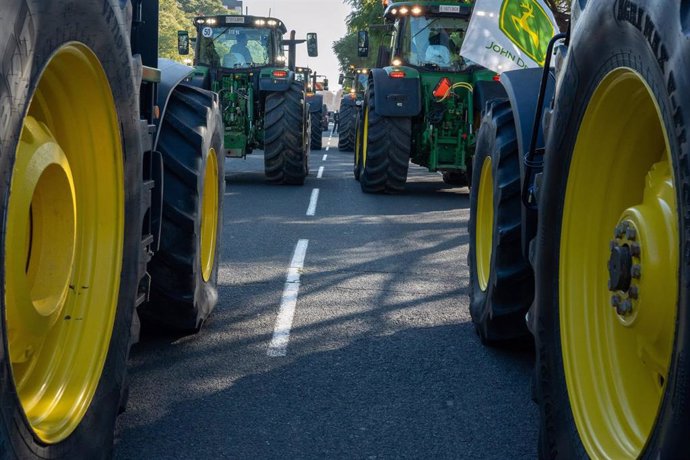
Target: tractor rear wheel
359, 124
184, 270
316, 130
346, 126
71, 169
386, 145
501, 280
612, 318
285, 156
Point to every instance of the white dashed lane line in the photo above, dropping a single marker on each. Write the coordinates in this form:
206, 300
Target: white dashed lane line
324, 157
311, 210
319, 175
288, 302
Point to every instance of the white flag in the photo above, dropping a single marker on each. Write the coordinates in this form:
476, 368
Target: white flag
509, 34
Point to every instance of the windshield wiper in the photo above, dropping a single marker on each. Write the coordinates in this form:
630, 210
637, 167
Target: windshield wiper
425, 27
219, 35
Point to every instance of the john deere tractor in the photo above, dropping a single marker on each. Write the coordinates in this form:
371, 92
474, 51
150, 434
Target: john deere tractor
579, 220
315, 102
353, 83
423, 101
241, 58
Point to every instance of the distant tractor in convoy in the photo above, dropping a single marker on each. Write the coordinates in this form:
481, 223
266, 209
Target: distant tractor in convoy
241, 58
112, 198
316, 105
423, 101
579, 220
353, 84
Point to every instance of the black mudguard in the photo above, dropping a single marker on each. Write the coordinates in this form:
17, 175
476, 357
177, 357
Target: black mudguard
522, 88
397, 97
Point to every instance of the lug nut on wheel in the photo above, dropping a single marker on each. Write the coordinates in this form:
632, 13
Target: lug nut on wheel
636, 271
634, 292
630, 233
625, 308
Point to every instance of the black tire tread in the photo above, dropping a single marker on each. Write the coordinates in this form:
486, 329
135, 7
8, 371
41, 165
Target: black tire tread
175, 302
284, 155
388, 152
499, 312
346, 127
316, 130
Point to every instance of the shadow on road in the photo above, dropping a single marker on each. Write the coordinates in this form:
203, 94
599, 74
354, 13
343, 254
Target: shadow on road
407, 395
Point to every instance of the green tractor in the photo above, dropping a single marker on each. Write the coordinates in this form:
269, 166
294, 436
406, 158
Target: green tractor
423, 101
315, 102
353, 84
241, 58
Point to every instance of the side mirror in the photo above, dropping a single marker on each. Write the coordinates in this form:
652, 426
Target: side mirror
363, 43
341, 79
312, 44
183, 42
325, 84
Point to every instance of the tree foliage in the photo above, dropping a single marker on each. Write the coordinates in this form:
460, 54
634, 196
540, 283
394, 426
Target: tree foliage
364, 14
176, 15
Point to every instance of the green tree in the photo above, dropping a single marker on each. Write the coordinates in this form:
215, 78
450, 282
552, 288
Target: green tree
365, 13
202, 7
171, 19
176, 15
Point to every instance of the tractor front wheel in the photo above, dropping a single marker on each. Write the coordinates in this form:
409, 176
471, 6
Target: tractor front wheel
612, 318
501, 280
71, 168
184, 270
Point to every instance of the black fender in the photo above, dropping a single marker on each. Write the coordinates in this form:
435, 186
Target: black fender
315, 102
522, 89
267, 82
396, 97
172, 74
486, 91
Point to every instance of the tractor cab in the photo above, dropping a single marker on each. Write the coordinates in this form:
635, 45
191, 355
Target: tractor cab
239, 42
427, 35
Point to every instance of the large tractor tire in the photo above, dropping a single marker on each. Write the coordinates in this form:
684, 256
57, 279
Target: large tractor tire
184, 270
386, 145
71, 188
285, 155
359, 123
316, 130
346, 126
612, 311
501, 280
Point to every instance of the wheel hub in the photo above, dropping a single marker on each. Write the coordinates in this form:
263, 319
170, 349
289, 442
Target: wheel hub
624, 268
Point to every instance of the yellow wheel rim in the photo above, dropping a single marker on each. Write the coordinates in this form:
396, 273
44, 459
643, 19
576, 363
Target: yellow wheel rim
63, 243
485, 224
365, 136
209, 215
620, 226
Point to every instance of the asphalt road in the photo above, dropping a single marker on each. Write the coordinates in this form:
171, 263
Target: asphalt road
382, 360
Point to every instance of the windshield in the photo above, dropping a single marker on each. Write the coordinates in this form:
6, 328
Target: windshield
434, 42
234, 47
